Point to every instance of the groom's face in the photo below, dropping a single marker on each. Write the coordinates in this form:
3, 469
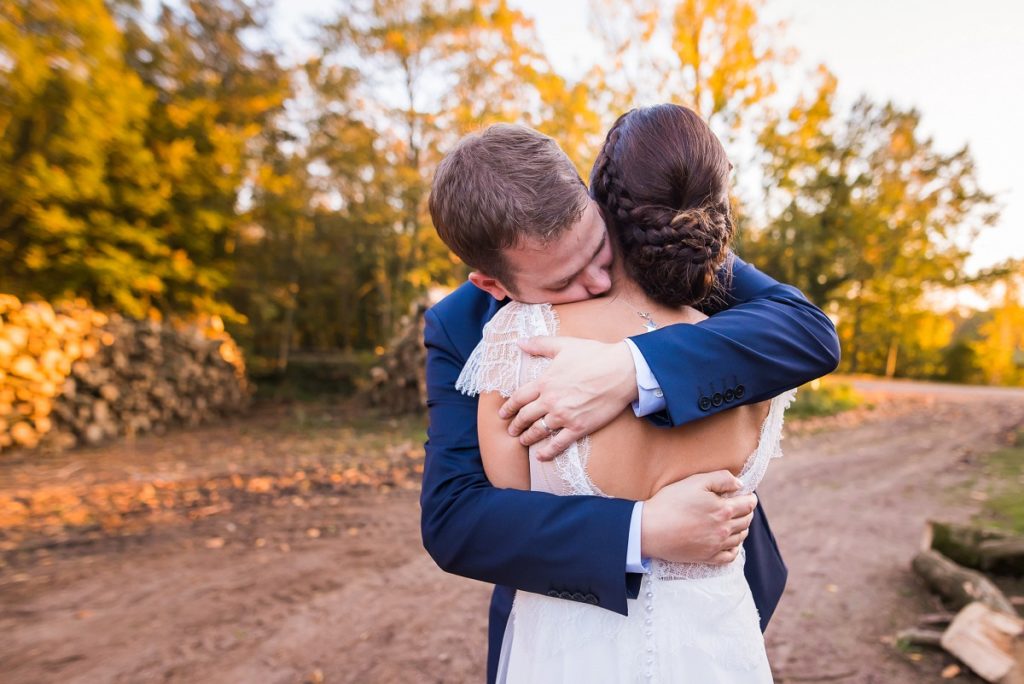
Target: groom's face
574, 267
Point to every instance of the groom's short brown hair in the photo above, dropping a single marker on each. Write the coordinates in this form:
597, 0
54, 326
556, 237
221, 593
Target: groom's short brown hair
499, 187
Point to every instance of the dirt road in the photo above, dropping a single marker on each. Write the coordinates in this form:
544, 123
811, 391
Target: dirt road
254, 595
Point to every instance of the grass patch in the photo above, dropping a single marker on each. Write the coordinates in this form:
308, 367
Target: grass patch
1004, 476
824, 398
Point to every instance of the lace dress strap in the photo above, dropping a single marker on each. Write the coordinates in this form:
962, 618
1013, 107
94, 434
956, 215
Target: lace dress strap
497, 364
769, 445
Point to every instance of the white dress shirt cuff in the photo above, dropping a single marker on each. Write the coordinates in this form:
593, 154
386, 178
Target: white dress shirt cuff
650, 398
634, 563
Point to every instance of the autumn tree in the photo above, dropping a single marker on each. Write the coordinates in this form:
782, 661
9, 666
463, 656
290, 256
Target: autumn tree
716, 56
398, 81
218, 92
273, 249
865, 217
1000, 349
80, 188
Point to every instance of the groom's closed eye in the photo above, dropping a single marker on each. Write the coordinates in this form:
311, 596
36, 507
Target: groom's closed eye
565, 283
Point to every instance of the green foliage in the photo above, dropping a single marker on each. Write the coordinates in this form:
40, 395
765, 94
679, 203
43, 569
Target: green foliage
824, 398
960, 363
1004, 505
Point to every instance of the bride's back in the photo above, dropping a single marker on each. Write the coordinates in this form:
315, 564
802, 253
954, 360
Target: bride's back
631, 458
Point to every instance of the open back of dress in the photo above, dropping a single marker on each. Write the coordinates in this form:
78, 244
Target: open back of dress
702, 628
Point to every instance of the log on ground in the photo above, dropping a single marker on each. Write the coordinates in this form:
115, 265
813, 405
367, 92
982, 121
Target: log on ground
958, 585
984, 549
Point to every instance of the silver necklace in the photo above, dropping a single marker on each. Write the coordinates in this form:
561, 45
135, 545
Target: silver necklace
649, 323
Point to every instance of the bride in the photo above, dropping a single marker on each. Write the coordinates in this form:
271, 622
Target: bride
661, 181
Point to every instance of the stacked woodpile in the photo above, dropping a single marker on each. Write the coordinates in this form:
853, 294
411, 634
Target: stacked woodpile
986, 633
398, 383
73, 375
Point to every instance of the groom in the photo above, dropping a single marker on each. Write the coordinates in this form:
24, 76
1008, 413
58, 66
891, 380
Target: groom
510, 204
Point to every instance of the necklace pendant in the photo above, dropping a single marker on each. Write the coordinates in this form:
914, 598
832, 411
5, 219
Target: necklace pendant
649, 323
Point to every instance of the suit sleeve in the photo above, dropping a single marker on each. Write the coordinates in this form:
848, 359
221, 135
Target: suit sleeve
770, 339
569, 547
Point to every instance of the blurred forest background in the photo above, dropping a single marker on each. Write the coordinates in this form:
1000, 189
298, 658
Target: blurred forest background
190, 200
172, 162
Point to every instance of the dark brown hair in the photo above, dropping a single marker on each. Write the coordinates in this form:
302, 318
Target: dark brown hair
662, 182
499, 187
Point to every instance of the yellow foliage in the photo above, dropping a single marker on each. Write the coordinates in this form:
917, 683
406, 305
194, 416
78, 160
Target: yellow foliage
1001, 348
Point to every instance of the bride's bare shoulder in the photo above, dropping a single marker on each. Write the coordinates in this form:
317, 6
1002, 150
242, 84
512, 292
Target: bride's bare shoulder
597, 319
604, 313
582, 311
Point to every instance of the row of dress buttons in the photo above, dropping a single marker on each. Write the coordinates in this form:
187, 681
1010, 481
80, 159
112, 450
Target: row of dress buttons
718, 398
648, 595
573, 596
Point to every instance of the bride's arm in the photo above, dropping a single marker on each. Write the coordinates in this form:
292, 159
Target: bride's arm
506, 461
770, 339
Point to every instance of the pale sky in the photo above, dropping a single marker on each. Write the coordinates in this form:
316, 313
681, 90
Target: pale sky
959, 63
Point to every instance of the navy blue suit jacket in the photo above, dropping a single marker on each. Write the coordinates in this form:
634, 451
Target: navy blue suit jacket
769, 339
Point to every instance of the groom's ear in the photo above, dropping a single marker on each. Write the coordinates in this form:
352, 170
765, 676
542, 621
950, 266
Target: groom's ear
489, 285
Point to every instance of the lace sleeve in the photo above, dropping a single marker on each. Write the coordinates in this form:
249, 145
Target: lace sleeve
496, 365
776, 413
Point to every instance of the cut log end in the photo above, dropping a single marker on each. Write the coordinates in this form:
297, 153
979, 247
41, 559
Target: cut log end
988, 641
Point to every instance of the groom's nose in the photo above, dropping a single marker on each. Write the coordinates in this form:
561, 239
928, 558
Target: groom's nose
598, 281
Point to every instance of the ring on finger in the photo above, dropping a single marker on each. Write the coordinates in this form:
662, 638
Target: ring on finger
544, 424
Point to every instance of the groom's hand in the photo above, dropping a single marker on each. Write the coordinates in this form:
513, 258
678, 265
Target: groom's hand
690, 521
587, 385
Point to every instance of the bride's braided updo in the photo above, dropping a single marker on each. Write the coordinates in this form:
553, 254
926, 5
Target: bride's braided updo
662, 182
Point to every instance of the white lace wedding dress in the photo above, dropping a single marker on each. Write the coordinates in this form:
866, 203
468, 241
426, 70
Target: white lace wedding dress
690, 623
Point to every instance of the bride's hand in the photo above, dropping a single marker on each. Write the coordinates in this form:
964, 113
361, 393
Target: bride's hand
690, 521
587, 385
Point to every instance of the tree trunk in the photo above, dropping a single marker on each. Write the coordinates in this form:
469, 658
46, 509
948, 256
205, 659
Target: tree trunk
285, 346
890, 361
855, 338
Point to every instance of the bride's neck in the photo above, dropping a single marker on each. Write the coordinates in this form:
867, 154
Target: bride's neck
624, 286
